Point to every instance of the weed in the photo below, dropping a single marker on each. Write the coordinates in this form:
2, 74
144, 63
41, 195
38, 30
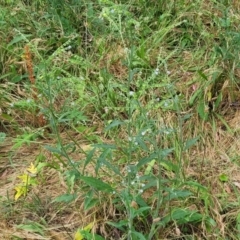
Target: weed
119, 120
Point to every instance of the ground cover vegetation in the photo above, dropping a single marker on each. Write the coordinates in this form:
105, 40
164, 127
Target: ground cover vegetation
119, 119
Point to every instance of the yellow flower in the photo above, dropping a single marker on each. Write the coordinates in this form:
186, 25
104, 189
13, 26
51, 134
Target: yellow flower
32, 170
25, 179
20, 190
79, 236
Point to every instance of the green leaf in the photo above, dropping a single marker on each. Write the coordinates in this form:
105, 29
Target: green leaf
32, 227
120, 225
89, 203
202, 75
114, 123
138, 235
139, 211
197, 185
164, 153
169, 166
142, 144
147, 159
210, 223
140, 201
71, 177
83, 234
89, 236
223, 177
189, 143
105, 146
89, 200
101, 161
218, 101
6, 117
72, 115
2, 137
19, 38
149, 167
25, 138
41, 165
55, 150
110, 166
238, 225
225, 123
176, 194
97, 184
183, 216
89, 157
67, 198
5, 75
196, 94
156, 155
202, 110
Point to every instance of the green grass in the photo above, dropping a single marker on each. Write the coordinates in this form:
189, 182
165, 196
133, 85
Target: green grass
128, 127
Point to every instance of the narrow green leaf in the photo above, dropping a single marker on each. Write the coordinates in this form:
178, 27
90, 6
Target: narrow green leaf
155, 156
189, 143
67, 198
139, 235
142, 144
6, 117
105, 146
201, 74
90, 236
120, 225
32, 227
182, 216
89, 203
19, 38
89, 200
225, 123
2, 136
218, 101
97, 184
25, 138
149, 167
169, 166
54, 150
176, 194
195, 95
202, 110
139, 211
196, 184
111, 166
89, 158
147, 159
5, 75
238, 225
114, 123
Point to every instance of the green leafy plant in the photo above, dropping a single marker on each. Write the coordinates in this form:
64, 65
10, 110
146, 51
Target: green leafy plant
126, 114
